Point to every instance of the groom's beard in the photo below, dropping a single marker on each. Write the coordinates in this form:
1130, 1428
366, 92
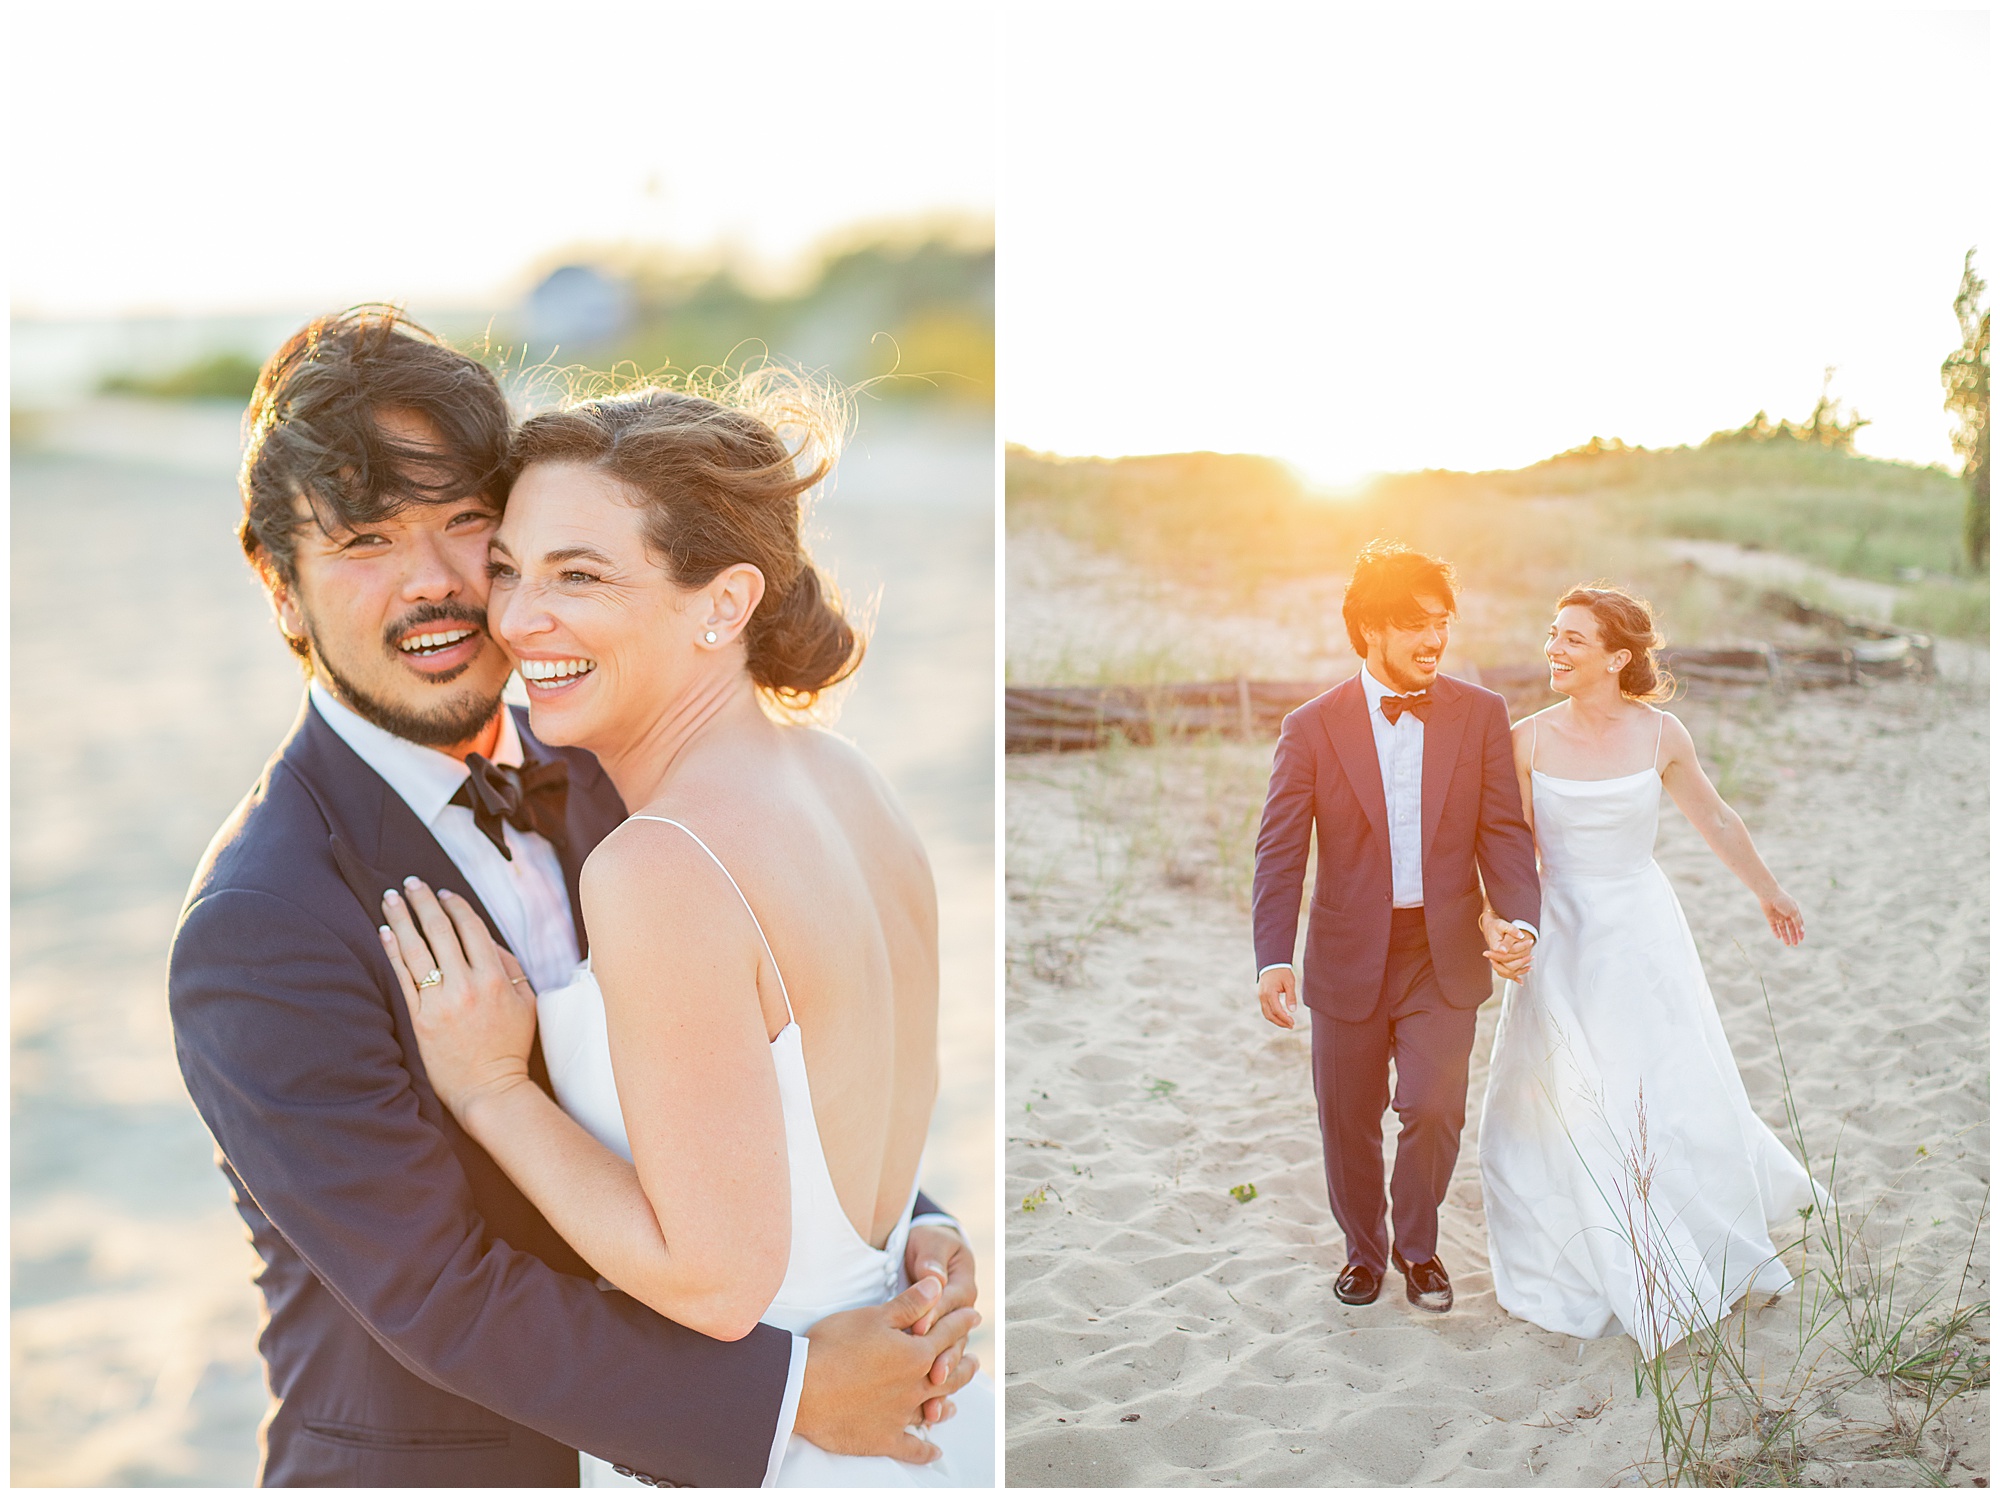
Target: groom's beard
1399, 681
454, 720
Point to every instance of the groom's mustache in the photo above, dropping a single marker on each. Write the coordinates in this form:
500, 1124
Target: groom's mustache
432, 613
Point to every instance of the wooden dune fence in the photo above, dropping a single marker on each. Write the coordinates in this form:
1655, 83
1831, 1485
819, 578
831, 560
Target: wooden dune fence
1044, 719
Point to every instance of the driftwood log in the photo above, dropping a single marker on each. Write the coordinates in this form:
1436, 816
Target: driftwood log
1044, 719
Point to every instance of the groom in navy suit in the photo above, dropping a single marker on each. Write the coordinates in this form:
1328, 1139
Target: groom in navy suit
426, 1326
1408, 778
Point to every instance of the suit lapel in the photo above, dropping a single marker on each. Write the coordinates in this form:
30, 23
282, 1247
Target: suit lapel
1353, 738
1443, 733
377, 842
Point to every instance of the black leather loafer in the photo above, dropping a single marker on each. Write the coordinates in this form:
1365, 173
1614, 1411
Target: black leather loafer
1358, 1285
1426, 1284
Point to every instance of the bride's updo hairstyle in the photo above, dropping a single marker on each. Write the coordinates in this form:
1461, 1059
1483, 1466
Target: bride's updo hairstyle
1626, 623
717, 486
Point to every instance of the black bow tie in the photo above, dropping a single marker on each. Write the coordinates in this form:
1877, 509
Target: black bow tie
533, 797
1417, 702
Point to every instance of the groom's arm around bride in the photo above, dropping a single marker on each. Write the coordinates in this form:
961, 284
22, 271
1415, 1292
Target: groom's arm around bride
425, 1323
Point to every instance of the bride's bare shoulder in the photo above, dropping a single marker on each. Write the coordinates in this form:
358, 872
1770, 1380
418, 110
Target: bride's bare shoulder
658, 844
1675, 740
1528, 728
830, 750
840, 768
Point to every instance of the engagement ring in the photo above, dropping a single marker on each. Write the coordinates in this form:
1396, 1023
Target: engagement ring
430, 979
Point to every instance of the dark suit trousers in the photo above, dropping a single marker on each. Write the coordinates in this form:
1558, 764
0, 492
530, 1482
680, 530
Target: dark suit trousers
1431, 1043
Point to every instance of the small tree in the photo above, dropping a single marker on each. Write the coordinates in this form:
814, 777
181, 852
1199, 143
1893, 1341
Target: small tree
1828, 426
1965, 397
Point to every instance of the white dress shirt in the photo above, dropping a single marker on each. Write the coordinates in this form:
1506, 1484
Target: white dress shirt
1399, 750
526, 895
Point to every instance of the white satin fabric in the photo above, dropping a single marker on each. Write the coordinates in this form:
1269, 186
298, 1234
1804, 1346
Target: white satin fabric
1628, 1183
832, 1268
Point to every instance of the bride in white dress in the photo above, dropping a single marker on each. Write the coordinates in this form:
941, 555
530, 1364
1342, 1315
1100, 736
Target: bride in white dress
750, 1048
1629, 1186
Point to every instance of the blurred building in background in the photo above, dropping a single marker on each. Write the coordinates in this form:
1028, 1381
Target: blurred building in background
578, 304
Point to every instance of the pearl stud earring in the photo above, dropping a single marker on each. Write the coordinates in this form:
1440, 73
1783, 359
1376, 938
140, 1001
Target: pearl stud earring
709, 636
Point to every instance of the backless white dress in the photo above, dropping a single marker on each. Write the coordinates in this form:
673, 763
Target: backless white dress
1628, 1183
831, 1268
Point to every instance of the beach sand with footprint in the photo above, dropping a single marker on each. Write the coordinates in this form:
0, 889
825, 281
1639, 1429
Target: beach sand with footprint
1160, 1331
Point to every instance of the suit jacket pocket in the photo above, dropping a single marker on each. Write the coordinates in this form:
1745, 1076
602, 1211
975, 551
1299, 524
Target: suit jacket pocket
372, 1438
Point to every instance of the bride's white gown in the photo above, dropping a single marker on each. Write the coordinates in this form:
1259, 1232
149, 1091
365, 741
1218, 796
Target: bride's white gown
1628, 1183
831, 1269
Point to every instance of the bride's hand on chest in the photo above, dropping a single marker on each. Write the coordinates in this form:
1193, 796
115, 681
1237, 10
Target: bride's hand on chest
471, 1006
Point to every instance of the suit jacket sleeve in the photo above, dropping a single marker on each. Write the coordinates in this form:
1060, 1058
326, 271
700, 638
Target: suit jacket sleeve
1284, 838
1503, 845
291, 1054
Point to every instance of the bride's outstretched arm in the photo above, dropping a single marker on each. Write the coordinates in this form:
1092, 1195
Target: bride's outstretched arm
699, 1232
1723, 830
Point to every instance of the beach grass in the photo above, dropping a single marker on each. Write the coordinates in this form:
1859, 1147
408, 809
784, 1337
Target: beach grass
1875, 1352
1959, 608
1863, 517
1227, 525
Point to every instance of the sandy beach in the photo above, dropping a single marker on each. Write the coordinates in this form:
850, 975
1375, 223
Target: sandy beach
1162, 1332
148, 689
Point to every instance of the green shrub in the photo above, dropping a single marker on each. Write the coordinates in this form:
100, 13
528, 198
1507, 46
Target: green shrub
1958, 609
224, 376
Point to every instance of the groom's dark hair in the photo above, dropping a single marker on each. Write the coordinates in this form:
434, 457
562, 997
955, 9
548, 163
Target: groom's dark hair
314, 434
1387, 578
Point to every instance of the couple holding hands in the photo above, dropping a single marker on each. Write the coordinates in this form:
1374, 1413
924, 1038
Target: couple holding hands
1628, 1184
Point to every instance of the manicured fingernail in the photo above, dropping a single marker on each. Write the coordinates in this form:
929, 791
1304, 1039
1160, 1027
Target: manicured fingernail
445, 894
389, 895
387, 934
411, 882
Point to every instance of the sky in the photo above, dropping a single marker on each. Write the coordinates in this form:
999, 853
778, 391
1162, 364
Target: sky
193, 160
1372, 241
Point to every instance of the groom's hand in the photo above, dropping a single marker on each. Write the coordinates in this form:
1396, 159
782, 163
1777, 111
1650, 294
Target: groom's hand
940, 1253
1509, 949
1278, 993
868, 1375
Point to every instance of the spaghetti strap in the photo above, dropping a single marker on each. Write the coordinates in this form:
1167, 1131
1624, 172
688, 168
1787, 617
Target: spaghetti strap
1659, 737
1534, 740
642, 817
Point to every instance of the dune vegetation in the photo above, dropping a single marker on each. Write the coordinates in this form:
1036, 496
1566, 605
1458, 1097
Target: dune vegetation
1235, 522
